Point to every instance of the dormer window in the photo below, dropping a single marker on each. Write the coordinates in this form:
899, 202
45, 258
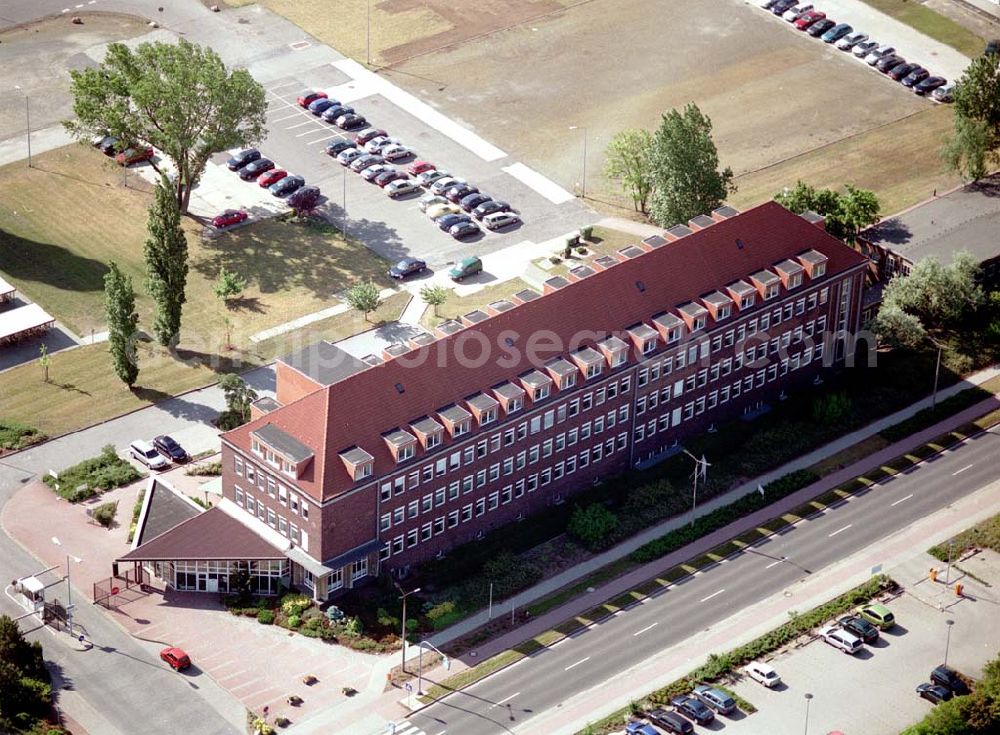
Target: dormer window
515, 404
488, 417
768, 283
511, 397
814, 263
795, 280
364, 470
644, 337
649, 346
359, 463
537, 383
402, 444
746, 301
674, 335
484, 408
540, 392
462, 427
563, 372
771, 292
567, 381
590, 361
695, 315
697, 323
593, 370
670, 326
428, 431
432, 440
723, 312
456, 419
819, 270
406, 452
615, 350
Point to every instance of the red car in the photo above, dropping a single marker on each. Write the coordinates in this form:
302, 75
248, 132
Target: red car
134, 155
362, 138
419, 167
307, 98
270, 177
177, 659
229, 217
807, 19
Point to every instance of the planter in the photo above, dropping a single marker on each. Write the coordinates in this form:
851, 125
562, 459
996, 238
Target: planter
295, 700
309, 680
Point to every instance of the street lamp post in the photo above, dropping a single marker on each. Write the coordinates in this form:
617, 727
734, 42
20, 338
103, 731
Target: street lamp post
27, 120
700, 469
808, 700
947, 641
368, 52
420, 664
69, 586
947, 574
583, 181
403, 633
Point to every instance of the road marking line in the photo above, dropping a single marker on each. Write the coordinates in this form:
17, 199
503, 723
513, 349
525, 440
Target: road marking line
840, 530
507, 699
582, 660
286, 117
292, 127
320, 140
958, 472
310, 132
714, 594
902, 499
648, 627
411, 730
774, 563
279, 86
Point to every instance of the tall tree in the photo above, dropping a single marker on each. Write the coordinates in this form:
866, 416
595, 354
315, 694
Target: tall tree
975, 144
364, 297
238, 395
166, 264
119, 307
25, 692
435, 295
179, 98
627, 161
968, 152
685, 168
845, 214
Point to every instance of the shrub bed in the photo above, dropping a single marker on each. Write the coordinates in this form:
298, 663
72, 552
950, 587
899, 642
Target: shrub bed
985, 535
206, 469
15, 435
91, 476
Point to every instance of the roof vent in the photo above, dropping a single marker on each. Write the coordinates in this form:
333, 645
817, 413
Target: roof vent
641, 285
449, 326
554, 284
525, 295
678, 231
630, 251
724, 212
400, 389
475, 317
372, 360
740, 244
700, 222
654, 241
604, 262
580, 272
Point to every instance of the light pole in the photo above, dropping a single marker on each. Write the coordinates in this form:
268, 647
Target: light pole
489, 614
947, 574
403, 598
69, 586
368, 53
947, 641
808, 700
700, 469
583, 182
27, 119
343, 205
420, 664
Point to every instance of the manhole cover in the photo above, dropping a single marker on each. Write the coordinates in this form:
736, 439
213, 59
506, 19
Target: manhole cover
299, 45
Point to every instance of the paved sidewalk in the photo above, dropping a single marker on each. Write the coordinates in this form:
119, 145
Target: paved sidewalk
639, 229
622, 584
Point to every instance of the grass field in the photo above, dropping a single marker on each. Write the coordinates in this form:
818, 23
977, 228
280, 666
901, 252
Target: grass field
455, 306
931, 23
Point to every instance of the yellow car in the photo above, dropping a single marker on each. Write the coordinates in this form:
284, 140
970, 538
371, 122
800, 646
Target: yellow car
440, 210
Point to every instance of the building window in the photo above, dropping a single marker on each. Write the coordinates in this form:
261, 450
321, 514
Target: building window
508, 437
399, 515
453, 519
433, 440
360, 472
488, 416
462, 427
494, 500
384, 553
438, 525
385, 522
411, 538
508, 494
426, 531
359, 569
540, 392
413, 509
620, 357
482, 448
514, 404
481, 506
397, 544
238, 466
466, 513
427, 503
385, 491
336, 580
593, 370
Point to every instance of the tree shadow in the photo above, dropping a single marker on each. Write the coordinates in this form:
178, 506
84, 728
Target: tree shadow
893, 231
52, 265
246, 304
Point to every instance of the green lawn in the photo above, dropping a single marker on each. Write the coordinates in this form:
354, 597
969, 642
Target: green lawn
931, 23
455, 306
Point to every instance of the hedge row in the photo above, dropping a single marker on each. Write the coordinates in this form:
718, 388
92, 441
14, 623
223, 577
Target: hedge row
85, 479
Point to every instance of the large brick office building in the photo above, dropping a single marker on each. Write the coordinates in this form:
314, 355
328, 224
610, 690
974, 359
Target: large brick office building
362, 465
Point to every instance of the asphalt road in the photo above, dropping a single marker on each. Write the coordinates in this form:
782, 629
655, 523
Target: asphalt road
507, 700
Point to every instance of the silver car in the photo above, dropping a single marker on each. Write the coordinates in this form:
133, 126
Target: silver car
864, 48
428, 201
884, 50
401, 187
851, 40
793, 14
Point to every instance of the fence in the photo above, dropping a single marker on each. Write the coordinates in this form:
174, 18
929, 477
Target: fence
111, 592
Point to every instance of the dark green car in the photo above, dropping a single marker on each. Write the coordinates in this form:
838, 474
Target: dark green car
464, 268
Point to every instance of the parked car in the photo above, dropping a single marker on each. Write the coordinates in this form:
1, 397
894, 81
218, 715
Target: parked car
396, 152
305, 197
440, 210
136, 154
428, 178
459, 191
145, 453
808, 18
376, 144
820, 27
407, 267
270, 177
286, 185
229, 217
851, 40
992, 47
444, 183
308, 97
176, 658
386, 178
637, 727
362, 138
499, 220
930, 84
839, 638
781, 6
715, 698
419, 167
368, 173
402, 187
319, 105
763, 674
670, 721
899, 72
945, 93
242, 158
879, 52
447, 221
860, 627
879, 615
948, 678
429, 200
351, 121
255, 168
933, 693
915, 77
490, 207
349, 156
473, 200
106, 144
794, 13
864, 48
170, 449
364, 161
693, 708
330, 114
463, 229
467, 267
837, 32
887, 63
336, 147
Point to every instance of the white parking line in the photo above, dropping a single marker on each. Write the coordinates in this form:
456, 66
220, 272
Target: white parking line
648, 627
901, 500
279, 86
582, 660
958, 472
714, 594
840, 530
320, 140
286, 117
292, 127
774, 563
310, 132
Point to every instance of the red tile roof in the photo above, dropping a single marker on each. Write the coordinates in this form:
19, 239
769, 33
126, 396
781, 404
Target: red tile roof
360, 408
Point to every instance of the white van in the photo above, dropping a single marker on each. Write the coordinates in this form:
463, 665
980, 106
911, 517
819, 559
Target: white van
840, 638
145, 453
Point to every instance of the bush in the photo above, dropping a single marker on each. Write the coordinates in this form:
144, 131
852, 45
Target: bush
353, 627
295, 604
105, 513
294, 621
207, 469
136, 510
594, 525
229, 420
581, 250
15, 435
385, 619
440, 610
832, 408
265, 617
84, 479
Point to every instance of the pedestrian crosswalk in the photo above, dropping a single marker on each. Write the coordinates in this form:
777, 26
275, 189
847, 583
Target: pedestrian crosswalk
406, 728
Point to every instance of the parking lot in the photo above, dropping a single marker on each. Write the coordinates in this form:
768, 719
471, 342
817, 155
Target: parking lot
394, 228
